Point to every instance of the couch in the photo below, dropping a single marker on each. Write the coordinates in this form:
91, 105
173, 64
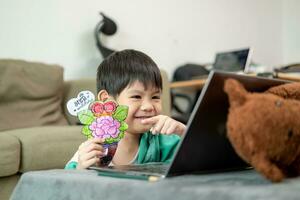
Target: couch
36, 131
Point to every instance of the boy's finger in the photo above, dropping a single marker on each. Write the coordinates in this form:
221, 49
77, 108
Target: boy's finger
90, 141
151, 120
90, 158
98, 140
91, 144
93, 154
159, 125
166, 125
170, 130
95, 146
90, 162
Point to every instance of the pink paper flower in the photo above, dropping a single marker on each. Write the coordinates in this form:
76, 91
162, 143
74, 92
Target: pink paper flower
110, 106
97, 108
105, 127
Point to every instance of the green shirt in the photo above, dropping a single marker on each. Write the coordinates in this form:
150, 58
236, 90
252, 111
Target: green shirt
156, 148
152, 148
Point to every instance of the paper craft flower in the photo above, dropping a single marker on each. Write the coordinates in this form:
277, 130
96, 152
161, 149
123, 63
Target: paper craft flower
105, 127
106, 108
97, 107
104, 120
110, 107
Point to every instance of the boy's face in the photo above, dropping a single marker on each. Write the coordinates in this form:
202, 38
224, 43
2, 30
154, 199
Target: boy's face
142, 104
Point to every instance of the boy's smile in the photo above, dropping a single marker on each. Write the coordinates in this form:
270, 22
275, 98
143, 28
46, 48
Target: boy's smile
143, 103
139, 120
143, 117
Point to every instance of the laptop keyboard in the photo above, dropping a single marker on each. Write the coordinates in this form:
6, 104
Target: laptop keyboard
149, 168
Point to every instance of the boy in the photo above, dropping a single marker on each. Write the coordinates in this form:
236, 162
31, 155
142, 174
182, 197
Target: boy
133, 79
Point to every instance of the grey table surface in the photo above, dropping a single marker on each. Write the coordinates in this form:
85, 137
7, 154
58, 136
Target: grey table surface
86, 184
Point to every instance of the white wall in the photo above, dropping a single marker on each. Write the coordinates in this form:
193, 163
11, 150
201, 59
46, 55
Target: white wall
171, 32
291, 31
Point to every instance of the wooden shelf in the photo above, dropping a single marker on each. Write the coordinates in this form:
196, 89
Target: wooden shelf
289, 76
197, 84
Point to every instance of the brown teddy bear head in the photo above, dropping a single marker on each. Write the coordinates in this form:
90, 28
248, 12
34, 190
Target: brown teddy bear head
264, 128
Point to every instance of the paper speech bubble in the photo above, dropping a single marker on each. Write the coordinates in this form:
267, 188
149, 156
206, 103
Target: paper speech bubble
82, 102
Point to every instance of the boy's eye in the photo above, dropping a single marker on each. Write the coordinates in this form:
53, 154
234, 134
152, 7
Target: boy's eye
156, 97
136, 96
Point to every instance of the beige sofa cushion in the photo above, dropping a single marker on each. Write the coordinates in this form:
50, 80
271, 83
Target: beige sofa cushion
31, 94
9, 154
7, 185
47, 147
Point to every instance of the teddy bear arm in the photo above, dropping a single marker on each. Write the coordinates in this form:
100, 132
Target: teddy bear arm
296, 166
262, 164
287, 91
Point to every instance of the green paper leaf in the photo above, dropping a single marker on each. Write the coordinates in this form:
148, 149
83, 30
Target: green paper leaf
89, 137
86, 117
123, 126
121, 113
109, 140
87, 132
121, 135
114, 140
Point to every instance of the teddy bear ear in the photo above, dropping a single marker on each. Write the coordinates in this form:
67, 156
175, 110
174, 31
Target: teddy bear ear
236, 92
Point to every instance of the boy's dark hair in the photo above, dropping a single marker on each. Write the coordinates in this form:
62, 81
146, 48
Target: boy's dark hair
122, 68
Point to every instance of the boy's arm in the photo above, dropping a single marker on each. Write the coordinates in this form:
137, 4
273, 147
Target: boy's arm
165, 125
72, 164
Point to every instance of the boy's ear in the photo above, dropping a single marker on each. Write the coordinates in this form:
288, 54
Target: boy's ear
103, 95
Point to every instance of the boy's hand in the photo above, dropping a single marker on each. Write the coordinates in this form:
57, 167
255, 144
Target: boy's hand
164, 125
89, 153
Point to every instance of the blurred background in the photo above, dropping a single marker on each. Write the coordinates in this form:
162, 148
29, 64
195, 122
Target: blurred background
171, 32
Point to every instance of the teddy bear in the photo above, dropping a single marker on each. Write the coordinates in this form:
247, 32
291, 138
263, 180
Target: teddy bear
264, 128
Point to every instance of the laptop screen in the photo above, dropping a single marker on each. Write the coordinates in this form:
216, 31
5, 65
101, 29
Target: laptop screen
205, 146
232, 61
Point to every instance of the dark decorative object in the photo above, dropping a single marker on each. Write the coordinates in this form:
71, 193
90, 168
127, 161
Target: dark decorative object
108, 27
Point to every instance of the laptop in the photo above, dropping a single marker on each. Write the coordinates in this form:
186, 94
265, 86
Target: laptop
204, 147
233, 61
237, 61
